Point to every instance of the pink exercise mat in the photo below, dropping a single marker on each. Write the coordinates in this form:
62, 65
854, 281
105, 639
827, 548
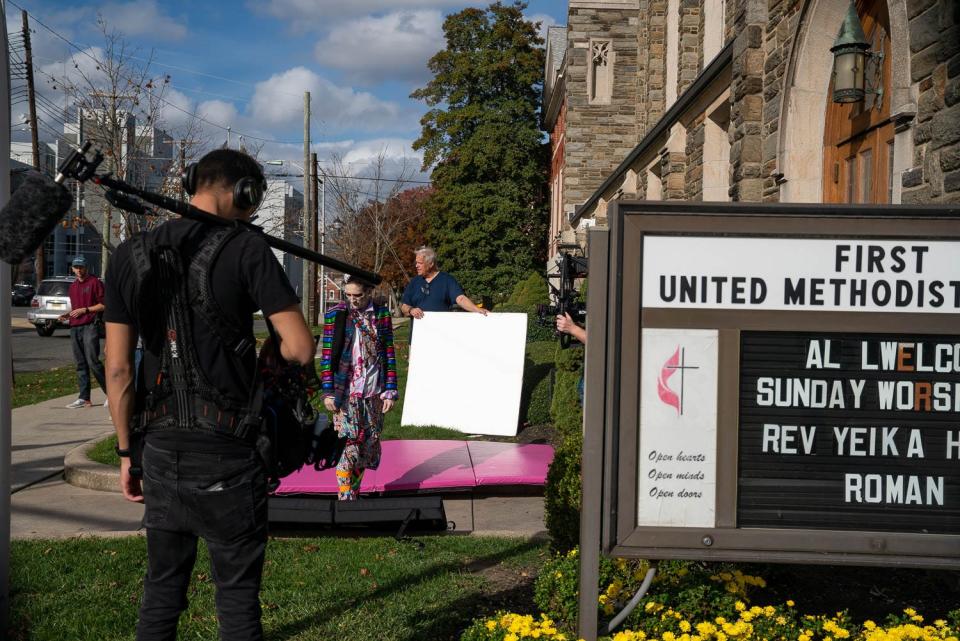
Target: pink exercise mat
419, 466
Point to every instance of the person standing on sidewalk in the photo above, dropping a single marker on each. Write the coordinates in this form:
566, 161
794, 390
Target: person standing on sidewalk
197, 407
86, 301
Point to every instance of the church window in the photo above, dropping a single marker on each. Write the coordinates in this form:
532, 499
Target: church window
600, 71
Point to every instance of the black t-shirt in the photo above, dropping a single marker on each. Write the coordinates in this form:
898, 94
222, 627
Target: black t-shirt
246, 276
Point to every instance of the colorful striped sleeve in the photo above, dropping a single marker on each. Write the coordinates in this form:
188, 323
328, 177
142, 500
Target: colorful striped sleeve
385, 330
326, 353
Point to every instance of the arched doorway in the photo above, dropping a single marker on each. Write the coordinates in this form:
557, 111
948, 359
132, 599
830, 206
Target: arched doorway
858, 140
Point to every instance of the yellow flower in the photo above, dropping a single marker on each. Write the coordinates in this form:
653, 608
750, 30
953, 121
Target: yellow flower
790, 603
558, 575
511, 637
668, 636
869, 625
740, 606
491, 625
684, 626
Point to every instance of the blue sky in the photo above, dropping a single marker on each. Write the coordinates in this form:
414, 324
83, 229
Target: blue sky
245, 64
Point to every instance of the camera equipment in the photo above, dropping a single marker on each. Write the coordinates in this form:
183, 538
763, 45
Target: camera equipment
124, 195
566, 296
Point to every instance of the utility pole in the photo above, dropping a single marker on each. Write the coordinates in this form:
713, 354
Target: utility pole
323, 236
183, 167
39, 264
6, 356
306, 286
314, 303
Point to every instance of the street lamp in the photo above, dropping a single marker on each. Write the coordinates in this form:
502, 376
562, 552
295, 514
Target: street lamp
850, 52
323, 228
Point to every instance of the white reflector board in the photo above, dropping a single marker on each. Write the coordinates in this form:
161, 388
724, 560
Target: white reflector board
466, 372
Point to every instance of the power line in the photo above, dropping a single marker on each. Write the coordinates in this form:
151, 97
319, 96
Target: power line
332, 175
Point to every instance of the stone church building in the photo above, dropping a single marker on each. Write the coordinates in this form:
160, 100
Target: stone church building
735, 100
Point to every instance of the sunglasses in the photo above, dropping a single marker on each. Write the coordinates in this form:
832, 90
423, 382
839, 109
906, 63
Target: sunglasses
425, 289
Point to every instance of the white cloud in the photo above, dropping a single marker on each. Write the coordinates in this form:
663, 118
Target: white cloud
545, 23
391, 47
279, 101
305, 15
142, 17
358, 157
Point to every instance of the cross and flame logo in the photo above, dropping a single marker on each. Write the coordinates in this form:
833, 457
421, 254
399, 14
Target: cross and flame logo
676, 362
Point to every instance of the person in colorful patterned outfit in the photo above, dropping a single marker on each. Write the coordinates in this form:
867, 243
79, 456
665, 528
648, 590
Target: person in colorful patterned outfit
360, 383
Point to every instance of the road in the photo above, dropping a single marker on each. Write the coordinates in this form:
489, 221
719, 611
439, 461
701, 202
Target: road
33, 353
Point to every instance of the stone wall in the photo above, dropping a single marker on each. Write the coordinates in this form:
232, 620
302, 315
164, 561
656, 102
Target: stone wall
935, 68
599, 136
696, 134
746, 97
691, 44
783, 16
652, 45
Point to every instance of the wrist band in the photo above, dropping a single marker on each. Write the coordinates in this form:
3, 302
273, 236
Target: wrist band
121, 453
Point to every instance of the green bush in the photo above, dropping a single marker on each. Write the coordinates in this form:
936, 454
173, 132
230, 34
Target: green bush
530, 292
538, 374
524, 299
562, 492
536, 332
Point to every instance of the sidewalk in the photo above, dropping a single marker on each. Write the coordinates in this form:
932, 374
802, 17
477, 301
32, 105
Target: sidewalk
44, 505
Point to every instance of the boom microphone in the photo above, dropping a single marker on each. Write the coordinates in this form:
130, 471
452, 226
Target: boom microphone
33, 211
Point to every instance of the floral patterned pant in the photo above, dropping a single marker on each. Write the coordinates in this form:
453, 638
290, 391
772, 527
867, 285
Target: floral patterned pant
360, 421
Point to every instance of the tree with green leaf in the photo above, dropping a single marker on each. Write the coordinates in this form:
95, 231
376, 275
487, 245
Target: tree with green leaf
481, 137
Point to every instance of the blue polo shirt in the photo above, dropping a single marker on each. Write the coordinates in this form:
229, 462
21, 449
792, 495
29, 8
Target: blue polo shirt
436, 296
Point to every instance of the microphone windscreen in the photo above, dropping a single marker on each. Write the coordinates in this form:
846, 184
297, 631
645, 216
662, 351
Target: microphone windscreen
33, 211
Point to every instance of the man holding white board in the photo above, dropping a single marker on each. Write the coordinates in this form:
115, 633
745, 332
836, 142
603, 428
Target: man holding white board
432, 290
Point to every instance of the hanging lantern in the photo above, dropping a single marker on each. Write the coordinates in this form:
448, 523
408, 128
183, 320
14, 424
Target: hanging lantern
850, 51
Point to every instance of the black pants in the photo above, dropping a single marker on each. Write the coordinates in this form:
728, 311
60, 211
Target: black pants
86, 353
222, 499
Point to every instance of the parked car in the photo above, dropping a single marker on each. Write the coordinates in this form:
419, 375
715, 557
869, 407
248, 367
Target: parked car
51, 301
22, 294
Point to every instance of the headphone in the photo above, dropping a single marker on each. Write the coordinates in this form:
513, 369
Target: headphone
248, 192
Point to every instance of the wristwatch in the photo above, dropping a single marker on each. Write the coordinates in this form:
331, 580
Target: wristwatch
121, 453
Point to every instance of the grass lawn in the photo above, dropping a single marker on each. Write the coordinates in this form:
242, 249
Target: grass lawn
35, 387
314, 588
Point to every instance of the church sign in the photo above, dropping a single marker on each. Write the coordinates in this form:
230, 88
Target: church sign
774, 383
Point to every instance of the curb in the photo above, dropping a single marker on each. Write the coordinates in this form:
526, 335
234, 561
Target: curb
79, 470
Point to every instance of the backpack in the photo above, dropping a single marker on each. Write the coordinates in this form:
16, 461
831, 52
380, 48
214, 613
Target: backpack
277, 418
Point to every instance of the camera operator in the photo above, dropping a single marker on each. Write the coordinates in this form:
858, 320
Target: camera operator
566, 325
202, 476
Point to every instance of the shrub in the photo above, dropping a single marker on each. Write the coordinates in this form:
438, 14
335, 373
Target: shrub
524, 299
530, 292
563, 487
561, 494
538, 374
536, 332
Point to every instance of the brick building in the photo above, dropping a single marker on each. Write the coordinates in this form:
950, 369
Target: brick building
732, 100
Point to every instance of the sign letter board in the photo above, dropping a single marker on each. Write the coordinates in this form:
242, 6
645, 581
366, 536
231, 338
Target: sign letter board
849, 432
817, 351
